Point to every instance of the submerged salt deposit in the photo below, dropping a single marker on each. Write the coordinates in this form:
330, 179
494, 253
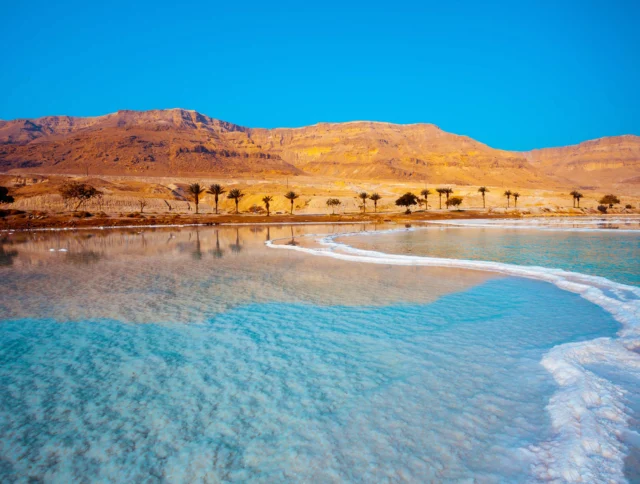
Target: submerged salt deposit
588, 411
224, 359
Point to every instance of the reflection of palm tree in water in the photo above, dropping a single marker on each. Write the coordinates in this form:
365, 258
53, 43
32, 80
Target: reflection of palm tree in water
268, 233
293, 239
197, 254
7, 256
217, 252
236, 248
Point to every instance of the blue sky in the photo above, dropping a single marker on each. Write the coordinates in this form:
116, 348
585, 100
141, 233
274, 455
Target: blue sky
514, 75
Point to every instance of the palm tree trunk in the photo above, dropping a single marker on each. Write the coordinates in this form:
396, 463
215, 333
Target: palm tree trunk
196, 206
216, 198
291, 207
440, 196
236, 205
483, 205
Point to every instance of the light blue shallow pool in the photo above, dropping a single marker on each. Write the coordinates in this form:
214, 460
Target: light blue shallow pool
202, 355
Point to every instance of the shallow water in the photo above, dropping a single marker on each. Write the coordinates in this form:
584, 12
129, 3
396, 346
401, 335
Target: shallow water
188, 354
614, 255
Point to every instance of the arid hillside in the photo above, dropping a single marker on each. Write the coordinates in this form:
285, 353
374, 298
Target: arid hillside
181, 143
606, 162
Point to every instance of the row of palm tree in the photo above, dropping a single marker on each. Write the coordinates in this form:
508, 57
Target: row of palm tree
374, 197
196, 191
510, 194
576, 197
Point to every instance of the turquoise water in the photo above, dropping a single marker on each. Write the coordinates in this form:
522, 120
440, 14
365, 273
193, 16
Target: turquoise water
201, 355
615, 256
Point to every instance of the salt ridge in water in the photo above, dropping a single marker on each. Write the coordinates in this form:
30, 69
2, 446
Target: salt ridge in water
588, 411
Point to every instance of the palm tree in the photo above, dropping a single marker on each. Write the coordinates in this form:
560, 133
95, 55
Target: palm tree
447, 192
578, 196
235, 195
508, 195
425, 193
363, 196
374, 198
267, 200
515, 198
216, 190
291, 196
196, 190
440, 192
573, 195
483, 190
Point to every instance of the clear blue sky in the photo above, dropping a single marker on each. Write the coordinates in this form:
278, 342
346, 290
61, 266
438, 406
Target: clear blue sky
512, 74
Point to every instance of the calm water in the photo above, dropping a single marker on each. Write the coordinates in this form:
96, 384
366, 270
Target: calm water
189, 354
614, 255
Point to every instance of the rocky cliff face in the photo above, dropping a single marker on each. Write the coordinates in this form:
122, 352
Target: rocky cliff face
178, 142
612, 162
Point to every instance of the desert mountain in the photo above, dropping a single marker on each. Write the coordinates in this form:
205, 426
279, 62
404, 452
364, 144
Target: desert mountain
177, 142
609, 162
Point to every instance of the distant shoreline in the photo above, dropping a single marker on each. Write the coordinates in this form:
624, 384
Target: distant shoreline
37, 221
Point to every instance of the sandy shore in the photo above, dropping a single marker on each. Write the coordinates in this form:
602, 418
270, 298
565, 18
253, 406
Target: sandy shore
18, 220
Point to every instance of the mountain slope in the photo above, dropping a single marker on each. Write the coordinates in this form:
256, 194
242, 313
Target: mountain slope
178, 142
612, 162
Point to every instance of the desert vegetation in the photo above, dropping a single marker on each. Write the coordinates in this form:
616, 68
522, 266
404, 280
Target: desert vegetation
137, 199
196, 190
235, 195
291, 196
483, 191
425, 193
78, 193
576, 197
267, 199
508, 194
4, 196
454, 202
374, 197
407, 200
609, 200
333, 203
216, 190
363, 196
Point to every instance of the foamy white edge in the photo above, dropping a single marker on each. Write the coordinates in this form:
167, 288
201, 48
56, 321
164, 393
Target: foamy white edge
547, 224
588, 414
